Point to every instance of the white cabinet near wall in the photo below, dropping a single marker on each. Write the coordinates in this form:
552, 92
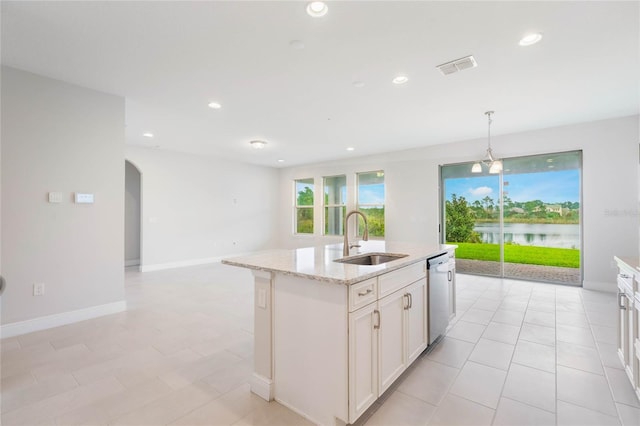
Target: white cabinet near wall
628, 319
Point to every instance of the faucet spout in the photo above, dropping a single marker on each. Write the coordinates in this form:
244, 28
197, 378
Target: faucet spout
365, 236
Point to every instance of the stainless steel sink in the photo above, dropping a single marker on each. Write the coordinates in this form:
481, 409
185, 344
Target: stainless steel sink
371, 258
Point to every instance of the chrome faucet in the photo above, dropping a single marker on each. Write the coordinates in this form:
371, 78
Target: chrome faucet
365, 236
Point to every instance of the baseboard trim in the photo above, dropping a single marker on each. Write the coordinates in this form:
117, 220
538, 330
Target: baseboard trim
132, 262
64, 318
262, 386
179, 264
609, 287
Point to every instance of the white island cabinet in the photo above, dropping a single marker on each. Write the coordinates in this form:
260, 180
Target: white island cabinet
331, 337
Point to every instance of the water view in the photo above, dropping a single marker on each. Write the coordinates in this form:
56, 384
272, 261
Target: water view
532, 234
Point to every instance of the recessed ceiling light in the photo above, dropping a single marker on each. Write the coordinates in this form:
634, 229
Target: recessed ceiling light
358, 84
351, 148
530, 39
214, 105
280, 160
317, 9
401, 79
147, 135
258, 144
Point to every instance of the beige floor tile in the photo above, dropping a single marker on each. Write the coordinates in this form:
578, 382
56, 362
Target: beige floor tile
201, 368
604, 334
429, 381
17, 382
492, 354
574, 415
515, 305
402, 409
478, 316
508, 317
577, 335
576, 319
510, 413
609, 355
467, 331
621, 387
630, 416
531, 386
170, 407
456, 411
231, 377
452, 352
535, 355
601, 318
487, 304
547, 319
581, 357
587, 390
13, 400
62, 403
538, 334
504, 333
542, 305
479, 383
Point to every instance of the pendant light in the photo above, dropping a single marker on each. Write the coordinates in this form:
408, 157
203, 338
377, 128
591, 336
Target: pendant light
494, 164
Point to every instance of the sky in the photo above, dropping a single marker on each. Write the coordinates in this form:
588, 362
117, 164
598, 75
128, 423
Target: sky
550, 187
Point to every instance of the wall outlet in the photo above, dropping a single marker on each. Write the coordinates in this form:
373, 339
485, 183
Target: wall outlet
38, 289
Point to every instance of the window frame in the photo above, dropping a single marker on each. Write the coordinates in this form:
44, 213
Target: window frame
326, 206
359, 206
297, 207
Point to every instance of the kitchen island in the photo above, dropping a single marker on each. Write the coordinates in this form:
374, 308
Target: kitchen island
331, 337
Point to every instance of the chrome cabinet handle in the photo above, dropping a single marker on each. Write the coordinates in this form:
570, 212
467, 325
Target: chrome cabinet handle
450, 276
625, 276
369, 290
410, 300
377, 313
620, 305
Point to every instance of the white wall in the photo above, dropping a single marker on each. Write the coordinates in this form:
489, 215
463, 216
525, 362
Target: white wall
610, 187
60, 137
197, 209
131, 215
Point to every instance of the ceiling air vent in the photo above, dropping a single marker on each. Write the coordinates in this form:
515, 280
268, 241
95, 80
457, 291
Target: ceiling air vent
457, 65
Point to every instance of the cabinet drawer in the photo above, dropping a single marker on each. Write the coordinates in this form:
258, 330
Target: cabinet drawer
388, 283
362, 294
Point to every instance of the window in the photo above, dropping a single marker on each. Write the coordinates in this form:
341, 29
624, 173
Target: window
304, 206
371, 201
335, 204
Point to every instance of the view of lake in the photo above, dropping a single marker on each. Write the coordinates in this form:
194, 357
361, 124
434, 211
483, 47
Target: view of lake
532, 234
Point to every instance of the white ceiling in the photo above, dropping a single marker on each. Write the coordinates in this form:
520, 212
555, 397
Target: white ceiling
169, 59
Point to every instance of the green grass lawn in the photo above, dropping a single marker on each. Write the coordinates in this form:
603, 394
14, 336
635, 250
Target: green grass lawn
547, 256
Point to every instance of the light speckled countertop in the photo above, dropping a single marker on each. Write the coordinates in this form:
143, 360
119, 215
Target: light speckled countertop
317, 263
632, 262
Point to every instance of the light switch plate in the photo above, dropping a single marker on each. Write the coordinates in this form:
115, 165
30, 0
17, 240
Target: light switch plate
55, 197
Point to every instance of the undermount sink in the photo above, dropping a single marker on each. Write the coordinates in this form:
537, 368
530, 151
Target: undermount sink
371, 258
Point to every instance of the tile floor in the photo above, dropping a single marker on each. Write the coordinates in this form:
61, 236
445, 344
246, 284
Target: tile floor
518, 353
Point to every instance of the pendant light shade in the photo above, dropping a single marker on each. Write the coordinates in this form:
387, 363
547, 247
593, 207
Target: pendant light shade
494, 165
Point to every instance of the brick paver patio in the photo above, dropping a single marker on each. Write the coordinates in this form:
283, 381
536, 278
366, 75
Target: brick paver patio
517, 270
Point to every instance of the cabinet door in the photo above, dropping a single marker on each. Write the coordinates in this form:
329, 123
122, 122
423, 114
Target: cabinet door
623, 325
391, 338
363, 360
631, 326
416, 320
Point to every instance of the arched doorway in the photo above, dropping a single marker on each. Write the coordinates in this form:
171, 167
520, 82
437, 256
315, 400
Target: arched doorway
132, 211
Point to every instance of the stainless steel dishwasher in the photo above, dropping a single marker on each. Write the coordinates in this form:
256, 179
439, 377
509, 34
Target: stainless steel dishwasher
438, 296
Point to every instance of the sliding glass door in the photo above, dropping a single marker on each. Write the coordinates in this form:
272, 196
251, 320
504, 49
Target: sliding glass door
521, 223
